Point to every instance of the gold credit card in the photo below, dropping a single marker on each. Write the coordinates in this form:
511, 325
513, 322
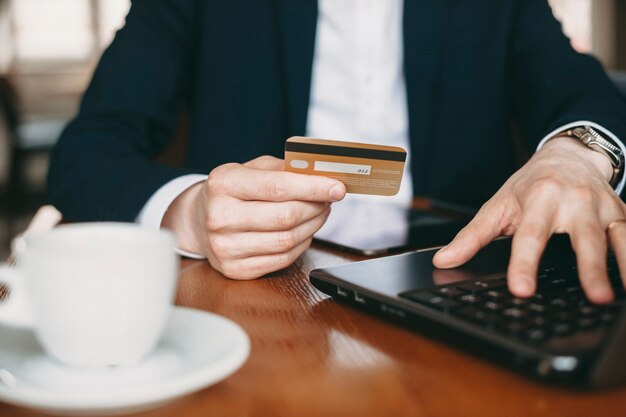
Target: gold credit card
363, 168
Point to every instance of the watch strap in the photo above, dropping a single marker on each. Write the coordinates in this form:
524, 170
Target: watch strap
599, 143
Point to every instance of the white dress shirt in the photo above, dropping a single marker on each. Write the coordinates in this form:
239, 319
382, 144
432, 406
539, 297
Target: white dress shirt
357, 91
357, 88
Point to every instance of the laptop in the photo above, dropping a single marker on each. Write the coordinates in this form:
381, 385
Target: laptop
557, 335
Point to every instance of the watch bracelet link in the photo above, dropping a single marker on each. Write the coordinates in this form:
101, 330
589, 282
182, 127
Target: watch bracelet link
596, 142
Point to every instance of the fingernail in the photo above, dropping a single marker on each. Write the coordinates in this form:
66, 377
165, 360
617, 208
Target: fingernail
522, 286
599, 289
336, 192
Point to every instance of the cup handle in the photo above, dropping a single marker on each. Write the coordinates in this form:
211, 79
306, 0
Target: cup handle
14, 308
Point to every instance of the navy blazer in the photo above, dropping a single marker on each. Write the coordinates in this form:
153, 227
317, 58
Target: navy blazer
479, 73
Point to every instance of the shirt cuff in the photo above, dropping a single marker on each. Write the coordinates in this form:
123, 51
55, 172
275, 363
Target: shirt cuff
620, 187
152, 213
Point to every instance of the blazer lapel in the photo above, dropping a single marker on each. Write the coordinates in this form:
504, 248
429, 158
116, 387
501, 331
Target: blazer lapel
424, 39
297, 27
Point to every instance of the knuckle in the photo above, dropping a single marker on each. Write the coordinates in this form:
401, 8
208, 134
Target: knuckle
265, 158
469, 235
218, 266
319, 188
283, 260
474, 240
619, 235
276, 190
286, 218
284, 241
583, 194
218, 178
214, 221
230, 269
215, 262
546, 187
616, 207
219, 246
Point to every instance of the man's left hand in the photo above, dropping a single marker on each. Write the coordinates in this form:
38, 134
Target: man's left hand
563, 188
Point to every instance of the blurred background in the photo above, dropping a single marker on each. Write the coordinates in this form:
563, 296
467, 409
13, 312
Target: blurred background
48, 50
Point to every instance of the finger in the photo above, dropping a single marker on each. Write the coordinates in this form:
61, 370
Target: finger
529, 242
617, 239
267, 163
248, 244
589, 241
251, 184
258, 216
485, 227
257, 266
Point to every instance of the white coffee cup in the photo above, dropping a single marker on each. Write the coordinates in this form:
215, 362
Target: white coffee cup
96, 294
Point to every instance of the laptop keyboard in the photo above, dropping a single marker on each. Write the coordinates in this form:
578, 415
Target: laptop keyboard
559, 308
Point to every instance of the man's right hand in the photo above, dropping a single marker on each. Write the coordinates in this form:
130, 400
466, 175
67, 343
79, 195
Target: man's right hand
252, 219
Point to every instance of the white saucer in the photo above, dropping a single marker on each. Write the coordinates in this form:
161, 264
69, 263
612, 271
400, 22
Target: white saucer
198, 349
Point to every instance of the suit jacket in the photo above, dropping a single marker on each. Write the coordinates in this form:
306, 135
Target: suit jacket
476, 71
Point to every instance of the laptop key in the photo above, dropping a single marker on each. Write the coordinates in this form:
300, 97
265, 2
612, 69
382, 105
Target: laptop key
450, 292
552, 283
423, 297
616, 306
559, 302
493, 306
514, 313
469, 298
587, 323
587, 310
514, 328
563, 329
445, 304
473, 286
539, 322
536, 335
537, 308
498, 294
559, 309
475, 315
564, 315
432, 299
519, 301
608, 317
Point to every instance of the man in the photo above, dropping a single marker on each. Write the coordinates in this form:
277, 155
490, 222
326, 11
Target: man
448, 79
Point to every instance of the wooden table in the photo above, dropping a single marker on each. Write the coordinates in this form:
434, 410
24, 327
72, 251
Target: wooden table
312, 357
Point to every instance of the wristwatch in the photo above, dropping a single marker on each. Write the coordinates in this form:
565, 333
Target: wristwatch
595, 141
